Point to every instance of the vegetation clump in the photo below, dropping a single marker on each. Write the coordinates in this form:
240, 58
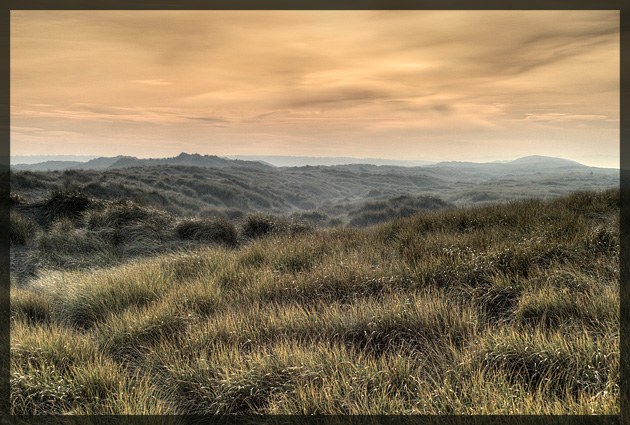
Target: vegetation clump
123, 212
22, 228
62, 203
125, 222
375, 212
257, 225
208, 230
260, 224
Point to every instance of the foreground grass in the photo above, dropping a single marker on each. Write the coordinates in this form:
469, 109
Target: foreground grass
509, 309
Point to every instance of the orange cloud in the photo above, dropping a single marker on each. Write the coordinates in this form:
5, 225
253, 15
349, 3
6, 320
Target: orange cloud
334, 82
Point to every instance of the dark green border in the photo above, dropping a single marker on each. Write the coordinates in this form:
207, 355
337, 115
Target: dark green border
4, 212
624, 262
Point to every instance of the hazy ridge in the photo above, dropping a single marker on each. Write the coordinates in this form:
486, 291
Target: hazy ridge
57, 162
191, 184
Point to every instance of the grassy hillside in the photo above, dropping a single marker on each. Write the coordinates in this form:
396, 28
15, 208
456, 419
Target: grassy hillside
503, 309
70, 230
334, 191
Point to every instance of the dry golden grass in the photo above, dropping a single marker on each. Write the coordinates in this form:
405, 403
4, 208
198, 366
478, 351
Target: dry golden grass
507, 309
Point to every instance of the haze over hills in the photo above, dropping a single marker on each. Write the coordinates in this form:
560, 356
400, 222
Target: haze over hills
532, 163
34, 159
194, 160
190, 185
536, 160
301, 161
99, 163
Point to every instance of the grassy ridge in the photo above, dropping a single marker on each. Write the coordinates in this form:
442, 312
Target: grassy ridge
362, 194
505, 309
69, 230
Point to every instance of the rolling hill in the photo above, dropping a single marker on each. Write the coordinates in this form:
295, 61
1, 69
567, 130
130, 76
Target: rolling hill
194, 185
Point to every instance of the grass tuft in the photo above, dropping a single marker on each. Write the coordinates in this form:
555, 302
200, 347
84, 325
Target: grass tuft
70, 203
208, 230
22, 230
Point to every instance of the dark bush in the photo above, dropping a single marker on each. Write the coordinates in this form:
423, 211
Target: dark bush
122, 212
66, 204
260, 224
257, 225
207, 230
27, 180
65, 246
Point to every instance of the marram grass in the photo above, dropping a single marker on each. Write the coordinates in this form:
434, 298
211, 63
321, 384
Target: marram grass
505, 309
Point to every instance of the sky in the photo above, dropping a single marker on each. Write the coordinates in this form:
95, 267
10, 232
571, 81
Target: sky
414, 85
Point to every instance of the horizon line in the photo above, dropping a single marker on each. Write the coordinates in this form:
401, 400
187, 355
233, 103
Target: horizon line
238, 156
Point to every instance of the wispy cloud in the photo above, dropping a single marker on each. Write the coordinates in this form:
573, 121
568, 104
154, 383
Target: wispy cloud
152, 82
331, 80
564, 117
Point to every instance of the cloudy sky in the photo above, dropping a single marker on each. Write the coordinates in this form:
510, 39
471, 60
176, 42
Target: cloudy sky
418, 85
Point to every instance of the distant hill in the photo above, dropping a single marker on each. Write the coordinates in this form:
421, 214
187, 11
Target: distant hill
191, 160
533, 161
446, 171
546, 161
36, 159
301, 161
46, 166
529, 165
189, 184
102, 163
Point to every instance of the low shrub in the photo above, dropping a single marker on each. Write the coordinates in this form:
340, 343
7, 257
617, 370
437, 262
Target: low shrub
596, 310
59, 371
122, 212
260, 224
207, 230
126, 221
66, 204
257, 225
130, 333
552, 362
